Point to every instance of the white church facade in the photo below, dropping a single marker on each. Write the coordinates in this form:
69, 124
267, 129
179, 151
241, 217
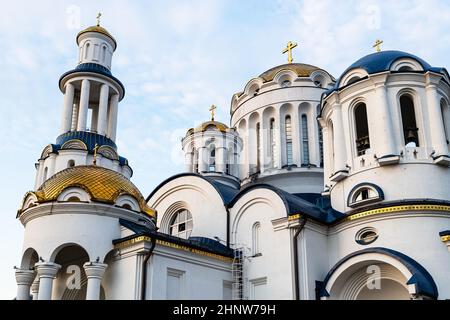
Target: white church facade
319, 188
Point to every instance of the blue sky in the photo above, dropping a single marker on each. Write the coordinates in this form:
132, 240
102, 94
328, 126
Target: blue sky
176, 58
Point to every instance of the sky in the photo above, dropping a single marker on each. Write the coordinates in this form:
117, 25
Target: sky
175, 58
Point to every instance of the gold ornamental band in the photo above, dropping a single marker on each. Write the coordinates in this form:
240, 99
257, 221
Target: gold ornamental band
412, 207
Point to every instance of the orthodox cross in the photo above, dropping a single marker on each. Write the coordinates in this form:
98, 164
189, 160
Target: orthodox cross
213, 110
377, 45
98, 19
94, 162
290, 45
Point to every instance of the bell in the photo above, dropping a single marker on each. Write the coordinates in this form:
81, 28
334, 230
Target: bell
411, 137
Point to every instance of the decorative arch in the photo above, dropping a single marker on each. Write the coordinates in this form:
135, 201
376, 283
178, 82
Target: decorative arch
74, 194
406, 65
170, 212
127, 201
29, 200
58, 250
253, 86
321, 78
47, 151
352, 77
285, 78
364, 193
74, 144
108, 152
408, 104
350, 276
29, 258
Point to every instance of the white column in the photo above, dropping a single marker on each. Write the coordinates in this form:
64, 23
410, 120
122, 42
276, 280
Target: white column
278, 142
102, 110
24, 279
84, 105
339, 140
221, 162
202, 161
47, 273
94, 272
112, 121
35, 288
66, 120
437, 130
326, 155
76, 105
189, 161
385, 138
295, 131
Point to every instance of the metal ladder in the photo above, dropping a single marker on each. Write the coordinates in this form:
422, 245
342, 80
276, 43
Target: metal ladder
237, 274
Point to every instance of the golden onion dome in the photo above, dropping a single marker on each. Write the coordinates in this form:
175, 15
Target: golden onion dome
103, 185
97, 29
211, 124
301, 69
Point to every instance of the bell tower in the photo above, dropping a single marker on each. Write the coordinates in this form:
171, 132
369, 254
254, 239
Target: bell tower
90, 109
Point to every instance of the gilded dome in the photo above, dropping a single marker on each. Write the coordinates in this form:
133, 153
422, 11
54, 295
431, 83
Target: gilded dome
103, 185
301, 69
214, 124
97, 29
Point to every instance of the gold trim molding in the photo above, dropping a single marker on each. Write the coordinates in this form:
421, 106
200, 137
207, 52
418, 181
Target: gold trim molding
130, 242
395, 209
445, 238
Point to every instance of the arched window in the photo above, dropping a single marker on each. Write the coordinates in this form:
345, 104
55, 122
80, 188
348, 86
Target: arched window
104, 54
272, 140
362, 129
410, 130
73, 199
181, 224
288, 133
70, 163
256, 230
45, 175
320, 139
305, 140
127, 206
195, 162
258, 146
212, 158
86, 50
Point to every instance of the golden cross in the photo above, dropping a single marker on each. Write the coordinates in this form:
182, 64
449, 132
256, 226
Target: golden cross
213, 110
98, 19
290, 45
377, 45
94, 162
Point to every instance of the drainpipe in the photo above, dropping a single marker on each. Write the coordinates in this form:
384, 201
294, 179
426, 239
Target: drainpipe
228, 226
144, 268
296, 276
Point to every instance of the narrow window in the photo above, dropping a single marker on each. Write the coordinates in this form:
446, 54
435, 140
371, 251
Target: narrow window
195, 162
104, 54
288, 133
445, 118
305, 140
256, 230
362, 129
410, 130
45, 175
272, 143
86, 51
73, 199
258, 146
212, 158
320, 139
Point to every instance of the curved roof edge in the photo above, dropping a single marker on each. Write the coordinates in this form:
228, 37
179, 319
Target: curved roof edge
420, 276
227, 193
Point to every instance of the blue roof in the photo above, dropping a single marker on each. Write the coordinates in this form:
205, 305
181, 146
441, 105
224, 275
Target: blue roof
90, 139
95, 68
382, 61
420, 276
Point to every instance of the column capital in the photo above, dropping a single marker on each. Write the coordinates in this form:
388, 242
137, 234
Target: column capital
47, 269
94, 269
25, 277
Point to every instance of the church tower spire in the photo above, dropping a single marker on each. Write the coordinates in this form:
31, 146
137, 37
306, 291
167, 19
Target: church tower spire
90, 109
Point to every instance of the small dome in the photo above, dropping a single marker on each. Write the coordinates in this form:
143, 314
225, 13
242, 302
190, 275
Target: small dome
301, 69
212, 124
97, 29
382, 61
103, 185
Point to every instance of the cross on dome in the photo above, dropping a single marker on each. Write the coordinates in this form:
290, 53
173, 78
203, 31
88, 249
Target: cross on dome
290, 45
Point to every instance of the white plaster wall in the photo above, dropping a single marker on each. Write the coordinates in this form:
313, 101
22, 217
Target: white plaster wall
203, 277
200, 198
415, 235
275, 264
119, 280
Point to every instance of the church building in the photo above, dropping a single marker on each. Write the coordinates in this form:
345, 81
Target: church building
316, 188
